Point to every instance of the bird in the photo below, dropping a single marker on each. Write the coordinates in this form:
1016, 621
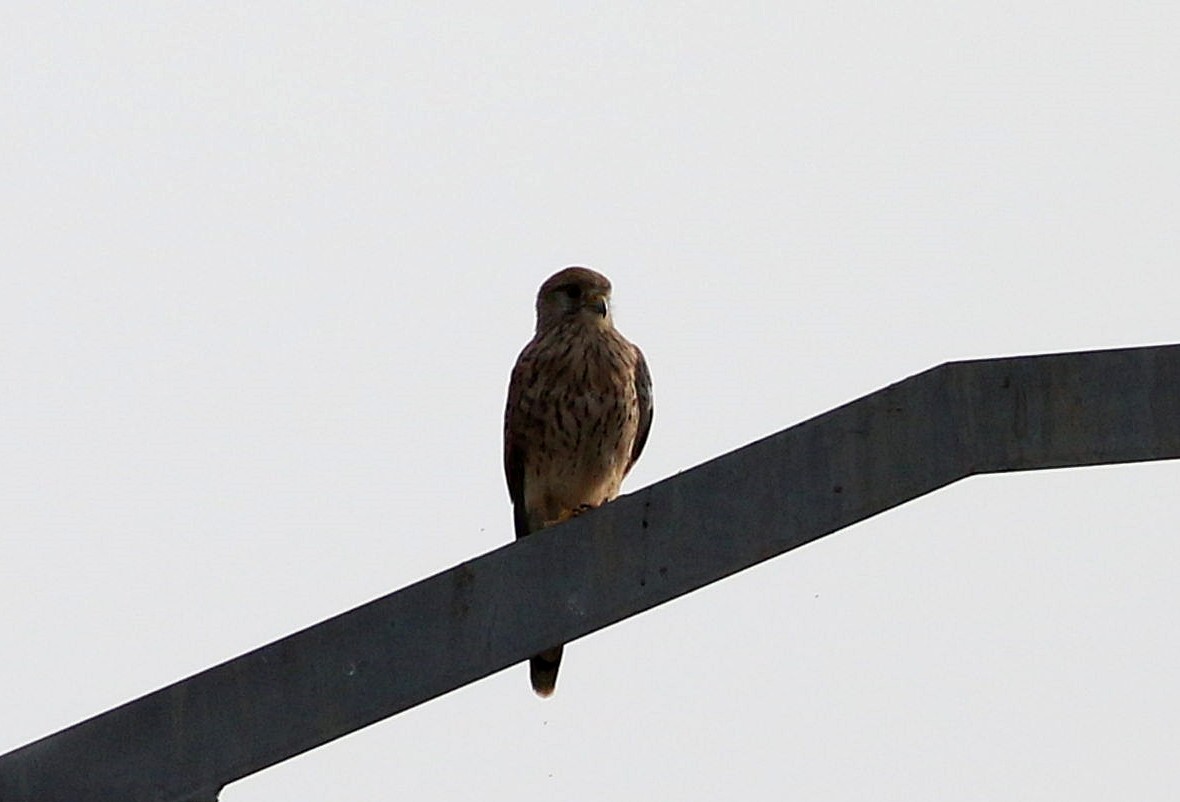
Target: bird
578, 415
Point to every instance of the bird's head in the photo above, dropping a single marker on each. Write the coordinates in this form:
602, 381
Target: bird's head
575, 293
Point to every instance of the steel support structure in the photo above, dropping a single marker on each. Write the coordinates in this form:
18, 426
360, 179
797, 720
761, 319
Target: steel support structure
184, 742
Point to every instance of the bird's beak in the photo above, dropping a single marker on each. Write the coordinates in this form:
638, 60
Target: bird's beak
597, 303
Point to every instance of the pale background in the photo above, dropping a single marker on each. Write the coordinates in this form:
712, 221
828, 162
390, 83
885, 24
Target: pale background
266, 269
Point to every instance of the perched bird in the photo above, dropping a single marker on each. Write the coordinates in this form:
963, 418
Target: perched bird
579, 411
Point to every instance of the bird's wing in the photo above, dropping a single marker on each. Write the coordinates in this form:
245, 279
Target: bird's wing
643, 394
514, 449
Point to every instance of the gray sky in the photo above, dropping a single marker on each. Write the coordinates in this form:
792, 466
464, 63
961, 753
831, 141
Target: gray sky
266, 270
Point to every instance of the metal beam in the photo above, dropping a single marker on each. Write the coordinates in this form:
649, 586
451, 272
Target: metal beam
186, 741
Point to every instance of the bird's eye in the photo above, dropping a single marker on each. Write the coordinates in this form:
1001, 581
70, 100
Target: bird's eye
572, 291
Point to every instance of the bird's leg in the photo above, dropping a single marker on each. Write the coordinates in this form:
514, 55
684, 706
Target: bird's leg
568, 513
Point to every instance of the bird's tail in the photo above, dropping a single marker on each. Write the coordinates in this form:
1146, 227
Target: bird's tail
543, 671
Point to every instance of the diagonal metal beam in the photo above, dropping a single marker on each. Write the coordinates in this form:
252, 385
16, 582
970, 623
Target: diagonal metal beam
186, 741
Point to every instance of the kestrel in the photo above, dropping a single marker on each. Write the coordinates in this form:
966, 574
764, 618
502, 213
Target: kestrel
579, 411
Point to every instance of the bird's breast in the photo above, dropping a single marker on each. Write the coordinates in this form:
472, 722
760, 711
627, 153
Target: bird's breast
582, 401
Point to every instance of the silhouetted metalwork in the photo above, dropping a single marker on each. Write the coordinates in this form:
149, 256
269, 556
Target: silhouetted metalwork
186, 741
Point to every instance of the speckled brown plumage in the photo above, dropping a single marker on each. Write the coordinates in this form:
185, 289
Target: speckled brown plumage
579, 411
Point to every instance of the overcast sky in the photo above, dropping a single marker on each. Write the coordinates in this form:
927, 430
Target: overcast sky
266, 269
